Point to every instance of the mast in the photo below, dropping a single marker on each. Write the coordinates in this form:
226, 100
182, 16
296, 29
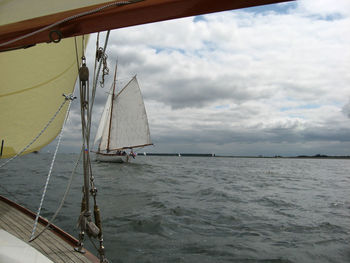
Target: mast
110, 116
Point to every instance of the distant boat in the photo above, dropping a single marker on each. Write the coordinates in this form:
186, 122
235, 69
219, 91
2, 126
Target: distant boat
123, 124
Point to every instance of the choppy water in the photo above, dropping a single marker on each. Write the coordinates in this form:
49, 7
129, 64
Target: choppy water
187, 209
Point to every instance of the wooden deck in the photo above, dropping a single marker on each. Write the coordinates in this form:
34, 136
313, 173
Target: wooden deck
54, 243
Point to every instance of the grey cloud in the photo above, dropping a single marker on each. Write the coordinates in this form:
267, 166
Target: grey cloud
197, 92
346, 109
248, 136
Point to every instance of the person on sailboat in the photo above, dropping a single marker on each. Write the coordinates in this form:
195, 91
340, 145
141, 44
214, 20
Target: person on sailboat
132, 154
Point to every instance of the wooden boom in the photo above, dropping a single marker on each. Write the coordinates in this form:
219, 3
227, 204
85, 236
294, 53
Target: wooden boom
135, 13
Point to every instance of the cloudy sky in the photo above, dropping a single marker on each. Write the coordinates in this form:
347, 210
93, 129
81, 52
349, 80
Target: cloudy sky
272, 80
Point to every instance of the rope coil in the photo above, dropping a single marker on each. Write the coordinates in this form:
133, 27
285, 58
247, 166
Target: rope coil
101, 55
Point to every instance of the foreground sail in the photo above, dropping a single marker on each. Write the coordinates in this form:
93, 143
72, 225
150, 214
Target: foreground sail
33, 81
123, 124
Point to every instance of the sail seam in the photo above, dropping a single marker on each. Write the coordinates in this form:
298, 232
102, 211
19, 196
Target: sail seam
39, 85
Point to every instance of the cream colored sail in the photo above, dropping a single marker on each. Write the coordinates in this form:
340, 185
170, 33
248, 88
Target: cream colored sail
18, 10
32, 83
129, 124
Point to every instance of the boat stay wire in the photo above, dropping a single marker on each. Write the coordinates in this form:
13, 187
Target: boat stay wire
70, 98
62, 200
86, 106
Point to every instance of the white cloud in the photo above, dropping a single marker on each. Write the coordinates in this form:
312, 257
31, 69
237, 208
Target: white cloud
324, 7
283, 78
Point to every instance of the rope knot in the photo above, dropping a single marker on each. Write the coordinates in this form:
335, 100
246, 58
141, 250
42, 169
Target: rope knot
101, 55
69, 97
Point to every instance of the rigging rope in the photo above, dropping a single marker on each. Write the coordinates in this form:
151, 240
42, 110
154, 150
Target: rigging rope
86, 107
62, 200
70, 98
96, 10
94, 86
101, 55
93, 188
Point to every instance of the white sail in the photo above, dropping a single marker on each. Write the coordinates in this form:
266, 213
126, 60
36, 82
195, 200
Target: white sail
104, 121
129, 124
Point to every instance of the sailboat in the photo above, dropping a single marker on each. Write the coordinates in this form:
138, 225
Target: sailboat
41, 54
123, 124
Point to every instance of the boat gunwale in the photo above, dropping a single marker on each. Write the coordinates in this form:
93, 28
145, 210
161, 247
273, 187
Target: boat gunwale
69, 239
124, 148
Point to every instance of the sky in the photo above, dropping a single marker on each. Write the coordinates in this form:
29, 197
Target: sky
271, 80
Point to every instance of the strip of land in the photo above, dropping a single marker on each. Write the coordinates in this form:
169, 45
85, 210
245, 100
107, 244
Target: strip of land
317, 156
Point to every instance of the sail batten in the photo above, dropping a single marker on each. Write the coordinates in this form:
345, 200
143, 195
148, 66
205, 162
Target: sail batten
126, 125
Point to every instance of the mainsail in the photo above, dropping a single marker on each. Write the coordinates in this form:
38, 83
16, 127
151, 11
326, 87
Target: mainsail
124, 125
32, 84
104, 121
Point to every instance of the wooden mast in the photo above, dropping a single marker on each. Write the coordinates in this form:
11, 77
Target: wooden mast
110, 116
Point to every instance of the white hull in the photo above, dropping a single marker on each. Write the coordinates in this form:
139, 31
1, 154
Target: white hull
15, 250
113, 158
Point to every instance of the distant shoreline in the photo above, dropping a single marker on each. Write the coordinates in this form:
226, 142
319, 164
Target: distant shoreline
317, 156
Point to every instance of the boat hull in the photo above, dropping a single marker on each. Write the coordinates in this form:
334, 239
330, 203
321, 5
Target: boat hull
112, 158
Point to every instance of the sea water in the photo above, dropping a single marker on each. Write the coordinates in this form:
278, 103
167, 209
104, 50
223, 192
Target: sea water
200, 209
